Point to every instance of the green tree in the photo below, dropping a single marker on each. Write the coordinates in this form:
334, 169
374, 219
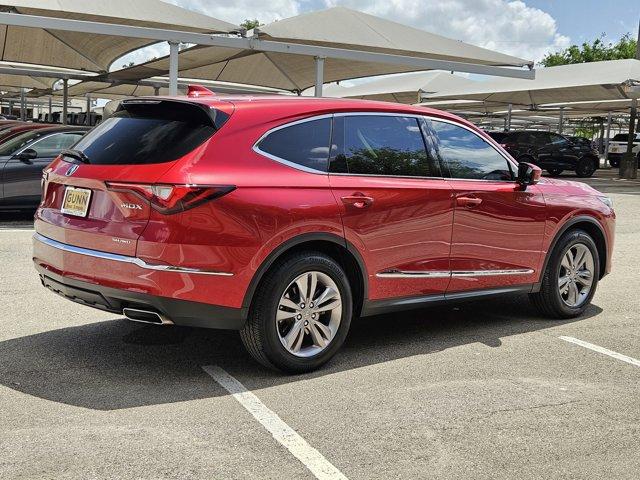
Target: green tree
595, 51
251, 24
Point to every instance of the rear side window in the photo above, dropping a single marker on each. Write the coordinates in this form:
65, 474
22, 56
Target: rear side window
305, 144
467, 155
381, 145
146, 133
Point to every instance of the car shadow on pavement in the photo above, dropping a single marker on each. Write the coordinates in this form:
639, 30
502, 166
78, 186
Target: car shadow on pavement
119, 364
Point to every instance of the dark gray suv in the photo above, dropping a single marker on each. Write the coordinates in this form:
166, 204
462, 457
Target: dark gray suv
551, 152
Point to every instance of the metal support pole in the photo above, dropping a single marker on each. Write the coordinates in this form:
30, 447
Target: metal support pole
87, 120
173, 68
628, 164
319, 75
561, 120
23, 106
65, 100
606, 141
156, 90
50, 114
509, 117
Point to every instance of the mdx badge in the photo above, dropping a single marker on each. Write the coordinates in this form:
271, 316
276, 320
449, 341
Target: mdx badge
131, 206
71, 170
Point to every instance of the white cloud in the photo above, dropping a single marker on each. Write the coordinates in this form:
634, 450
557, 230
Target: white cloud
508, 26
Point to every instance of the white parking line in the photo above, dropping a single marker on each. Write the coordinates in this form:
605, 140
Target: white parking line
16, 229
283, 433
602, 350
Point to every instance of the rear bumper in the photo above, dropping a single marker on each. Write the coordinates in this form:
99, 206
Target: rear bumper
112, 282
180, 312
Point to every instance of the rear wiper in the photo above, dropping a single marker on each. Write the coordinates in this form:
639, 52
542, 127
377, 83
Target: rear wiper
77, 154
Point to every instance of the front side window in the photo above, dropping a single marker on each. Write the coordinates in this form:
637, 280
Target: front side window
467, 155
381, 145
305, 144
11, 146
52, 145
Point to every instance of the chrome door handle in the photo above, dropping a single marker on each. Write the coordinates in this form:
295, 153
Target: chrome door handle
468, 202
357, 200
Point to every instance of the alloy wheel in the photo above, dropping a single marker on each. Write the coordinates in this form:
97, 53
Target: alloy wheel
309, 314
576, 275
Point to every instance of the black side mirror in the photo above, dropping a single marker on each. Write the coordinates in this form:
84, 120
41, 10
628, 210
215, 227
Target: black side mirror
528, 174
27, 155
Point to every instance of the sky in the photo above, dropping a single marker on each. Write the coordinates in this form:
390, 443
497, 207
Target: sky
525, 28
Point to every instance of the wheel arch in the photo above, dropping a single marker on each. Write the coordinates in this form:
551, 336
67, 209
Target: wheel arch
335, 246
589, 225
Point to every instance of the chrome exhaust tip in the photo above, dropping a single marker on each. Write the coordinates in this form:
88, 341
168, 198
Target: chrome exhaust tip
145, 316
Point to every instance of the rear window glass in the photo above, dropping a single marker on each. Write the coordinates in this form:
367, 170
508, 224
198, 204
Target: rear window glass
305, 144
624, 137
148, 133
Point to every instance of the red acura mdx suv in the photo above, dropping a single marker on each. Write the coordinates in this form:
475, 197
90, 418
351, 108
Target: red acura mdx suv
285, 217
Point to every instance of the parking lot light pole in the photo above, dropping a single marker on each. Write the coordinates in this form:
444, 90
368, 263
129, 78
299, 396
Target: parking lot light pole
606, 140
561, 120
319, 75
87, 120
173, 68
65, 99
23, 106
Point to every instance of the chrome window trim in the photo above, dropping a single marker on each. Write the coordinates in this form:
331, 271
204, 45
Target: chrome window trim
453, 273
122, 258
418, 116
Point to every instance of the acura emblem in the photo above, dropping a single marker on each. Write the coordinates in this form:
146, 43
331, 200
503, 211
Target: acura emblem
71, 170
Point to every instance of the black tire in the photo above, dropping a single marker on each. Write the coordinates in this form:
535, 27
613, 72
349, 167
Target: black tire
554, 172
614, 163
548, 300
260, 335
586, 167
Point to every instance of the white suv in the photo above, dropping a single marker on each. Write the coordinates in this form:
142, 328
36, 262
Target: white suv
618, 147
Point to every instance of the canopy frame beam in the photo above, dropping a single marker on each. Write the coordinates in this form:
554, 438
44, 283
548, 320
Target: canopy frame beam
254, 43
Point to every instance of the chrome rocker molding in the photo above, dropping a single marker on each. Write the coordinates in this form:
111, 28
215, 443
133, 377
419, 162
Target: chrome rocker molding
453, 273
123, 258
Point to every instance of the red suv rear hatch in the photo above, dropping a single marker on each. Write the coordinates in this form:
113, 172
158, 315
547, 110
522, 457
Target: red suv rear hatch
99, 194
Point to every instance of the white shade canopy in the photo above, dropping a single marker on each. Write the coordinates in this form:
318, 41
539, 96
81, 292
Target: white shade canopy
583, 82
89, 51
335, 28
406, 88
342, 27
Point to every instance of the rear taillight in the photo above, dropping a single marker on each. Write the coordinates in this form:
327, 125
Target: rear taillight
169, 199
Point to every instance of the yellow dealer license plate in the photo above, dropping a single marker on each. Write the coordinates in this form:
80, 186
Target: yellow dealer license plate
76, 201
